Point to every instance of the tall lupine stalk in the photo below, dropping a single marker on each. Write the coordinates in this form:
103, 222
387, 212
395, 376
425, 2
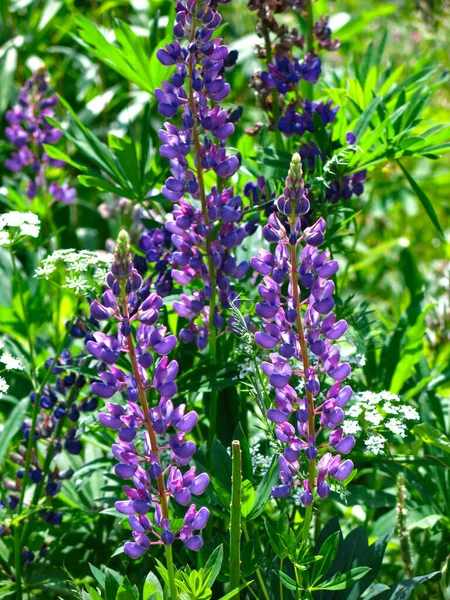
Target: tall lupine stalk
297, 300
28, 131
203, 237
292, 111
152, 464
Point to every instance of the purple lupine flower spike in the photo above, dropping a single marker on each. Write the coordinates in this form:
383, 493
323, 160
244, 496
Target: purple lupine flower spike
29, 130
299, 329
153, 465
203, 238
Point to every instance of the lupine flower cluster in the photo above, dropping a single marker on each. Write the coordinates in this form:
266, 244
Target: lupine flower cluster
60, 407
300, 330
290, 114
29, 130
197, 87
157, 246
148, 456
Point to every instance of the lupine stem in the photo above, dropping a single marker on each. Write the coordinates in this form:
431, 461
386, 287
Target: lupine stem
153, 443
274, 92
305, 360
309, 26
211, 268
309, 41
235, 516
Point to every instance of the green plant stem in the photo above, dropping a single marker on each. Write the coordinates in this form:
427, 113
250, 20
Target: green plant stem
258, 572
18, 562
298, 581
25, 319
171, 572
305, 360
235, 516
309, 41
309, 26
274, 92
153, 442
211, 269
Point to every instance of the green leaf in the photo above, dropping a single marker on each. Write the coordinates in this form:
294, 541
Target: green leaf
376, 591
221, 462
12, 426
432, 436
127, 61
152, 587
8, 66
113, 581
100, 184
235, 592
93, 594
327, 553
213, 565
264, 489
341, 581
411, 353
404, 589
248, 498
425, 201
288, 582
99, 575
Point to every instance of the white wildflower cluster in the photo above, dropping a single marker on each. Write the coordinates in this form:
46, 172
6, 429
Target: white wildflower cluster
80, 268
4, 387
8, 362
378, 414
15, 225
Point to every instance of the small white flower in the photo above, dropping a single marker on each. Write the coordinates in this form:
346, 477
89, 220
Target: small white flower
351, 427
27, 223
396, 426
409, 413
80, 268
11, 362
31, 230
4, 387
375, 444
354, 411
373, 417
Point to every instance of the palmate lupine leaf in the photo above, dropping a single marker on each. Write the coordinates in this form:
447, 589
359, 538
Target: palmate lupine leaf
129, 60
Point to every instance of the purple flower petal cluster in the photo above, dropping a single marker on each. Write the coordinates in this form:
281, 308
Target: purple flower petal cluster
203, 238
29, 130
190, 259
61, 403
293, 122
157, 247
147, 453
196, 89
285, 73
300, 329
